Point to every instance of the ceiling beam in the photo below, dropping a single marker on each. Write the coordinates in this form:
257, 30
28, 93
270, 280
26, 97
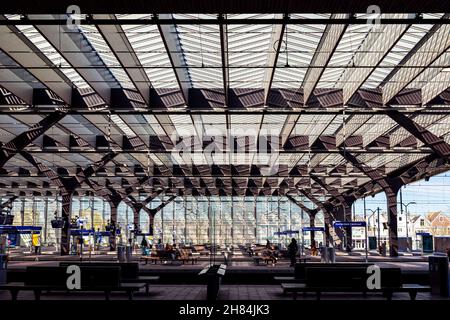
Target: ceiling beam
272, 59
223, 29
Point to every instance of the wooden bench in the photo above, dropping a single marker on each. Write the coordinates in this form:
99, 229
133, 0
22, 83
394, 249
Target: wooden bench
186, 256
103, 279
129, 272
202, 250
266, 259
351, 279
153, 259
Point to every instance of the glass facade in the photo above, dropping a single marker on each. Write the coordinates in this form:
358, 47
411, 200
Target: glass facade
189, 220
40, 211
228, 221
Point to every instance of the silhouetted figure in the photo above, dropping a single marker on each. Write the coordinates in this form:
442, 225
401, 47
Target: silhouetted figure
292, 251
159, 245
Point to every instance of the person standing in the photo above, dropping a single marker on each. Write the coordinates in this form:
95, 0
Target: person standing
144, 245
292, 251
36, 242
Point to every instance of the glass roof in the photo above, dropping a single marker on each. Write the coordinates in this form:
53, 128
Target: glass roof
192, 56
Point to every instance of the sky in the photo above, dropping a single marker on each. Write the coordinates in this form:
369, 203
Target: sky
432, 195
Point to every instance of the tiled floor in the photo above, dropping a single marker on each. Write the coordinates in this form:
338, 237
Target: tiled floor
198, 292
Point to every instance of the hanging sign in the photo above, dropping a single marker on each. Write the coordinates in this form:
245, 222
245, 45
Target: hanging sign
351, 224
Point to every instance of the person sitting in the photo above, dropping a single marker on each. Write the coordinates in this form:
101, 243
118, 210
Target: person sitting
272, 257
159, 245
175, 252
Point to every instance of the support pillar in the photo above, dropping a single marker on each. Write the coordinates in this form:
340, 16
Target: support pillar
391, 199
22, 212
348, 230
46, 219
113, 225
332, 235
136, 210
151, 224
65, 230
312, 224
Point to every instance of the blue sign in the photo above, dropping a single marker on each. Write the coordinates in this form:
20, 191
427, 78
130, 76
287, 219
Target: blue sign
81, 232
422, 233
102, 233
19, 229
313, 229
351, 224
286, 232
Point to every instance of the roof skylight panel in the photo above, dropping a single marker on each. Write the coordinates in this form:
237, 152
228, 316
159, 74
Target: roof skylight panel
202, 51
406, 43
214, 124
400, 133
139, 124
399, 161
50, 52
302, 42
332, 159
351, 125
432, 74
273, 124
375, 127
245, 125
183, 124
147, 43
332, 126
296, 159
154, 124
441, 127
352, 39
101, 47
247, 47
312, 125
155, 159
122, 125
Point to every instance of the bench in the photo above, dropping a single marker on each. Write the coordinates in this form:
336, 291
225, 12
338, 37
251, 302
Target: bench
266, 259
129, 272
186, 256
104, 279
351, 279
158, 255
201, 249
153, 259
300, 269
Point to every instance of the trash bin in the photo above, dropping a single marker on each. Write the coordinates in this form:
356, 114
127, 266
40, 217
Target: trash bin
129, 253
3, 268
121, 253
213, 275
439, 275
331, 257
